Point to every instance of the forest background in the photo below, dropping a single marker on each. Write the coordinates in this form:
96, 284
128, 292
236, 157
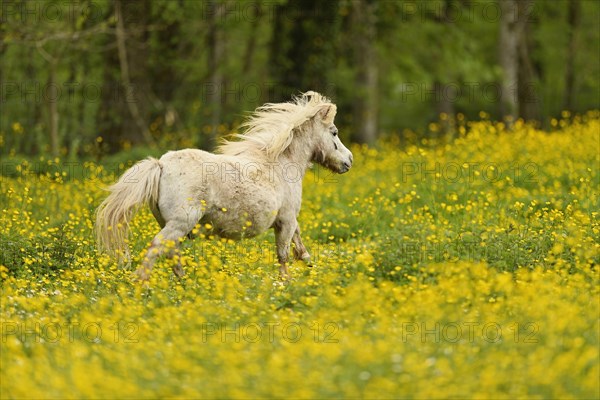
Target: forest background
99, 76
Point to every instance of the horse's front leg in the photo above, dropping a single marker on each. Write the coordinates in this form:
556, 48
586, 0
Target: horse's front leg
300, 251
284, 230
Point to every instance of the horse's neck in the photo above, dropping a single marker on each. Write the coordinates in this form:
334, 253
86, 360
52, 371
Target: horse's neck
298, 154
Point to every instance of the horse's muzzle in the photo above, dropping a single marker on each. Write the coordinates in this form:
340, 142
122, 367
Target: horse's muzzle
346, 165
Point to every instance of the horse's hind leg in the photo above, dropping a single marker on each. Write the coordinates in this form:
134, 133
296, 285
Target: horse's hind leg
300, 251
170, 235
177, 268
157, 215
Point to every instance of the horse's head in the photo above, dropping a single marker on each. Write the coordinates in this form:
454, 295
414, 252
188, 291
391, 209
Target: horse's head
329, 151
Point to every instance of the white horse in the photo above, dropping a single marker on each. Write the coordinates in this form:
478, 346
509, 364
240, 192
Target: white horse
254, 184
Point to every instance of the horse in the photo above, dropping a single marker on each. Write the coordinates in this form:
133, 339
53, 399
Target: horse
246, 187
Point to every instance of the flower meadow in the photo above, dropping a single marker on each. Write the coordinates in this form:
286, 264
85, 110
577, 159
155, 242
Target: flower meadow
465, 267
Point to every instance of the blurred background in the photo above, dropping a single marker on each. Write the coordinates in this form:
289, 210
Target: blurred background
101, 76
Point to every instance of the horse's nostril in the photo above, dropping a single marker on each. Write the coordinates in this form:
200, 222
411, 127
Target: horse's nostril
347, 165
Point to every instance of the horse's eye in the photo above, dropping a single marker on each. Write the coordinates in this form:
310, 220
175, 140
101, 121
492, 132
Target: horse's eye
334, 132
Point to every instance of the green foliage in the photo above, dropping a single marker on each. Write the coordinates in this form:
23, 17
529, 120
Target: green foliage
265, 51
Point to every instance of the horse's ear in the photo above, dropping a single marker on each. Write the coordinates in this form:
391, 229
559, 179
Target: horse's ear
327, 113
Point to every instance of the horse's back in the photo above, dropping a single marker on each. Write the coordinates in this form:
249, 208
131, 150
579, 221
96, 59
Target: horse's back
233, 195
186, 155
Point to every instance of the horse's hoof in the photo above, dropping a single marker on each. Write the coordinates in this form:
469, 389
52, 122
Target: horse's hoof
306, 259
142, 275
284, 275
178, 271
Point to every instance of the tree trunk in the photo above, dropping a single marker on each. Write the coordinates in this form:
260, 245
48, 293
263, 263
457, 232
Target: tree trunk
251, 46
444, 92
130, 95
509, 61
365, 106
52, 98
277, 46
444, 104
164, 81
37, 107
573, 19
528, 96
215, 60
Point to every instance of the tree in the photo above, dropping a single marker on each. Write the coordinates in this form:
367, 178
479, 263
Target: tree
444, 88
364, 33
216, 47
132, 93
303, 46
58, 37
516, 93
510, 30
527, 93
574, 21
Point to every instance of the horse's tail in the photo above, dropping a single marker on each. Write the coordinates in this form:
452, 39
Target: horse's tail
137, 186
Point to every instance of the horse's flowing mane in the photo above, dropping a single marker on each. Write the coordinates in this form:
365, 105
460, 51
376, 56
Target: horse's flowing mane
269, 129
